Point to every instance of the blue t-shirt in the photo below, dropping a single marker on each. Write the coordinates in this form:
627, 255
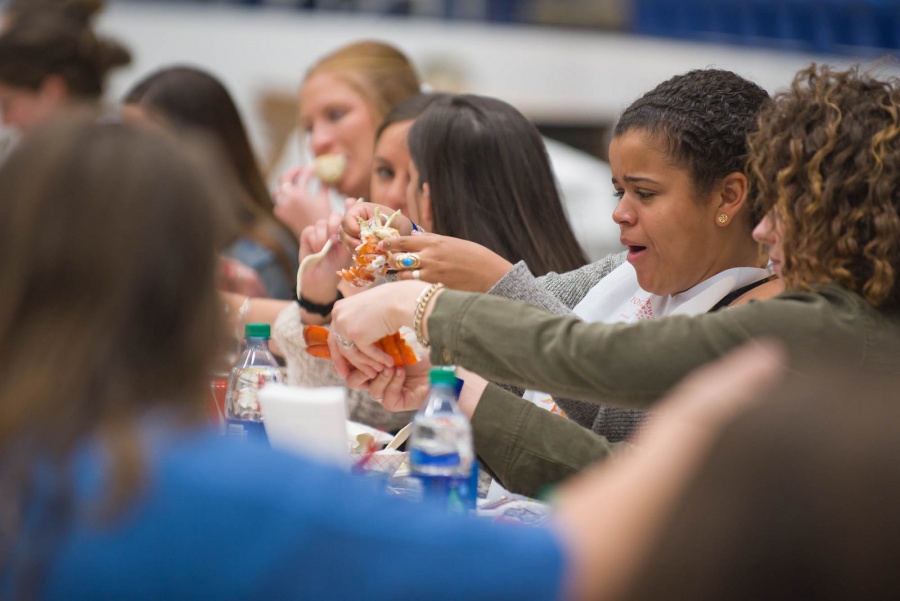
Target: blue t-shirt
221, 520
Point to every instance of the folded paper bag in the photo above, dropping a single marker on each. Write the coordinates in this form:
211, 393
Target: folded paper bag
308, 421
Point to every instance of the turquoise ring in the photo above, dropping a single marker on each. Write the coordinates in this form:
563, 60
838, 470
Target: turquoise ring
407, 261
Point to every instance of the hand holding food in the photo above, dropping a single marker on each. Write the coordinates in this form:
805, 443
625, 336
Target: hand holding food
401, 346
320, 260
397, 388
295, 206
457, 263
358, 321
363, 212
369, 261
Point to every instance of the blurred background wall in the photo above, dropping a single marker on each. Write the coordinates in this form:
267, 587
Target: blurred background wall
569, 65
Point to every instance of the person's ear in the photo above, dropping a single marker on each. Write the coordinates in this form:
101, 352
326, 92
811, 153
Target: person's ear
731, 194
425, 207
54, 88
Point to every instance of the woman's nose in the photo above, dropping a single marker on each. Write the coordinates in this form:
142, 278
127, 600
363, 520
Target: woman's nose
623, 213
396, 194
762, 233
320, 139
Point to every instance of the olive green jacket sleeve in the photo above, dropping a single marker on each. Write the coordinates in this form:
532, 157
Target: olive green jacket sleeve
633, 365
528, 448
522, 445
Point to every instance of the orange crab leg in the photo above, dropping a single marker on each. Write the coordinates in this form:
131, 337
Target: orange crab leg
316, 338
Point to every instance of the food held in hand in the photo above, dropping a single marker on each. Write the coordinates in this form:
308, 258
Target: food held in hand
401, 346
368, 261
329, 168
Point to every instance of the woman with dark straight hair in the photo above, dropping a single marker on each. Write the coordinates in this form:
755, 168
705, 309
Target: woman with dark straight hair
188, 97
484, 176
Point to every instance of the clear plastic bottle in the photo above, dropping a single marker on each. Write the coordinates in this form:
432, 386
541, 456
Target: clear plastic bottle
441, 452
255, 367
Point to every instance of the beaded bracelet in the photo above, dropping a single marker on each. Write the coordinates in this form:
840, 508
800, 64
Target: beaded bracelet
421, 305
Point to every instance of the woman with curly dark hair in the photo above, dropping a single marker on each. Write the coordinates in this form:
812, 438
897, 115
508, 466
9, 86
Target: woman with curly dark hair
823, 169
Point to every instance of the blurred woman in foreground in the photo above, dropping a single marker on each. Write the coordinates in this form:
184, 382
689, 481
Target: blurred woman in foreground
113, 485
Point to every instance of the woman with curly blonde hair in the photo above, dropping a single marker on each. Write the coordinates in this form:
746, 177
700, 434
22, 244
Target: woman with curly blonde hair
825, 164
823, 169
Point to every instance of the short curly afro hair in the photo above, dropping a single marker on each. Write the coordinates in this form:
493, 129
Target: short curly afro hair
703, 118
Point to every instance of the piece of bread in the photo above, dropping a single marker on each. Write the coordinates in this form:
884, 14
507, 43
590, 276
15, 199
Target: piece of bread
329, 168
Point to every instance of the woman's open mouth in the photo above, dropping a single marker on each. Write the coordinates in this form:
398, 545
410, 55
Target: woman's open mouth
635, 252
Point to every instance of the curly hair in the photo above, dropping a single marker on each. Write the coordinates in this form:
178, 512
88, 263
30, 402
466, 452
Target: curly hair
826, 157
703, 118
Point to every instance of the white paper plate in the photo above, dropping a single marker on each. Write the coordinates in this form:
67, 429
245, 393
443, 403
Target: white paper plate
356, 428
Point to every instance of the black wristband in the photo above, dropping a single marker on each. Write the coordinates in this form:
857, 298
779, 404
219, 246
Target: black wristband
323, 310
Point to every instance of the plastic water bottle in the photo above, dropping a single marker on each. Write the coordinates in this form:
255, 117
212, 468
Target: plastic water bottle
255, 367
441, 454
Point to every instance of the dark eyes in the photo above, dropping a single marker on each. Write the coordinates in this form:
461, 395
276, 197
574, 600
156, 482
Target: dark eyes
384, 172
336, 114
642, 194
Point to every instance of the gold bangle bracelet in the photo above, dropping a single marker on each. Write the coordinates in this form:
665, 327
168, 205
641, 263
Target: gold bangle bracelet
421, 305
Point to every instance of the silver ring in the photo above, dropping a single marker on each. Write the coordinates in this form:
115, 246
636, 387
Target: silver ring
378, 400
416, 273
344, 343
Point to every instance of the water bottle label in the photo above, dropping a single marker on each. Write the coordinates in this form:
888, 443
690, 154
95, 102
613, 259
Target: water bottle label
246, 430
420, 458
456, 495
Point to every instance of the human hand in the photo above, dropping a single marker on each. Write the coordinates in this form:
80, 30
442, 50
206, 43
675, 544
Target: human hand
240, 279
319, 281
294, 205
366, 211
473, 388
359, 321
396, 388
456, 263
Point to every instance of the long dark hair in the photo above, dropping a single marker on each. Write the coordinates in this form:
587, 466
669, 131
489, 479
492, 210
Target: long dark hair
491, 182
189, 97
